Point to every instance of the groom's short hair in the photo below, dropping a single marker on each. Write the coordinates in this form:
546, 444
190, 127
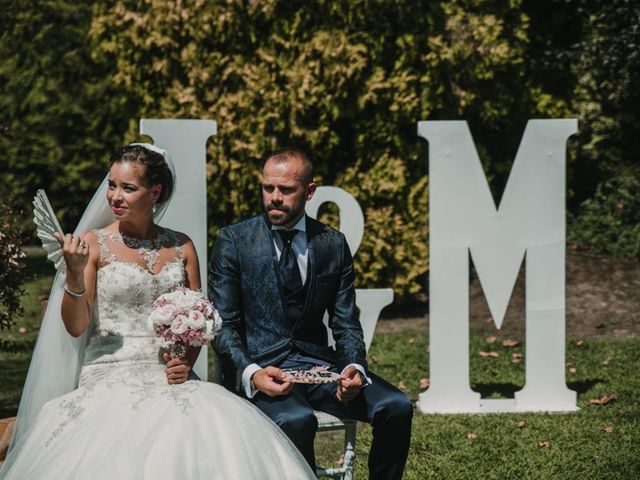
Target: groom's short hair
287, 153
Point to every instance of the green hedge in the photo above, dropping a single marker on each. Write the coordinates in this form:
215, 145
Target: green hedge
62, 115
346, 80
12, 273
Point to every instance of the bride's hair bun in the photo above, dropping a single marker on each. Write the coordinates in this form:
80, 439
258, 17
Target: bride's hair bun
156, 171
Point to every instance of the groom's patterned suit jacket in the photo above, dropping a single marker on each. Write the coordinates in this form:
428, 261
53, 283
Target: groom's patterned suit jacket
245, 286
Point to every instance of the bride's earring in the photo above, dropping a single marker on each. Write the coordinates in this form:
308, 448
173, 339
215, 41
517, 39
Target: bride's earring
155, 207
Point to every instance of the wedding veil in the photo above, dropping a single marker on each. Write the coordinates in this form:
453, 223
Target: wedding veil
57, 356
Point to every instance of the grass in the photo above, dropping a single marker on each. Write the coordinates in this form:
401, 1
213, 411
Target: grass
578, 445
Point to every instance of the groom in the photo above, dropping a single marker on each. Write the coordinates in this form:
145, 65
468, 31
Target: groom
272, 277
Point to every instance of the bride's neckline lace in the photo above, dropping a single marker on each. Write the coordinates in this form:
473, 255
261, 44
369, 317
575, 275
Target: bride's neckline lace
116, 263
148, 249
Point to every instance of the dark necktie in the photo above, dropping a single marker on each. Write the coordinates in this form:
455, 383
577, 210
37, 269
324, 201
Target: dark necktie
289, 270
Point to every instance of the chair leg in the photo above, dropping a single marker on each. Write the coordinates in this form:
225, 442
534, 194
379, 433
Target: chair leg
349, 451
345, 471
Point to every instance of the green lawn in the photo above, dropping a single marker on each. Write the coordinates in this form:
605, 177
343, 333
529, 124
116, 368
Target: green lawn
578, 447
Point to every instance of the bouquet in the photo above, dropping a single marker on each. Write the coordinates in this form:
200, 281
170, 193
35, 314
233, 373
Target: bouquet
184, 318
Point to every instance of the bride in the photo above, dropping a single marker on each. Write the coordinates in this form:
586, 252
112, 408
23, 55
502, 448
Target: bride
105, 405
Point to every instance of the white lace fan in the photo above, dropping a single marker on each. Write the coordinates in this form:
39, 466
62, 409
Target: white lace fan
47, 224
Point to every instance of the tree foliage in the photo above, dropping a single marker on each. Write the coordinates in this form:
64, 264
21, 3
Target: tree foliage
345, 80
590, 51
610, 220
61, 115
11, 267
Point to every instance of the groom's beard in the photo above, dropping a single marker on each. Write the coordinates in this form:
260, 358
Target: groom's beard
282, 215
278, 215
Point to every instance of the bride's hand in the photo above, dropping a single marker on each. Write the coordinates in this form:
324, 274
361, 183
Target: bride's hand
177, 370
76, 254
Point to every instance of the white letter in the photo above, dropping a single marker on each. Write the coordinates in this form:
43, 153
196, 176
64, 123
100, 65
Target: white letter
370, 302
186, 141
463, 220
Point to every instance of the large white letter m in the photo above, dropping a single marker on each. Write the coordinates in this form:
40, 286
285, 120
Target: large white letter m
463, 221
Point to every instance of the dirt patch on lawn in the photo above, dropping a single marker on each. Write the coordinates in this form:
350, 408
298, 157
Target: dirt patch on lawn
602, 298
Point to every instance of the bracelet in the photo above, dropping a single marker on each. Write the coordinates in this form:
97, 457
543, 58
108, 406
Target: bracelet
74, 294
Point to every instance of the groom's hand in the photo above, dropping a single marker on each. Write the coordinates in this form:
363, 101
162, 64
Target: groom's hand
349, 385
270, 381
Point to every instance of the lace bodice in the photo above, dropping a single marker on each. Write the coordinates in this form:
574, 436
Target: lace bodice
131, 276
125, 420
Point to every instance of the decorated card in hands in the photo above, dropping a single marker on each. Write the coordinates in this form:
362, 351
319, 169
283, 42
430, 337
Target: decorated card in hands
313, 375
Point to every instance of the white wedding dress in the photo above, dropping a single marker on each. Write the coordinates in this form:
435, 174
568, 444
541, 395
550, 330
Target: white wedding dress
124, 421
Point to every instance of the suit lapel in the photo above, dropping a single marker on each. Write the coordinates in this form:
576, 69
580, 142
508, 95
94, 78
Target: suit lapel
311, 263
312, 233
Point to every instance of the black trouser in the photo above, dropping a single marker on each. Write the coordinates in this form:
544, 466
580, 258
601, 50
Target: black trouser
381, 404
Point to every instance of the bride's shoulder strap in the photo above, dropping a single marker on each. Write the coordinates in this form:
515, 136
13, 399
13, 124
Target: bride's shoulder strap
176, 239
105, 255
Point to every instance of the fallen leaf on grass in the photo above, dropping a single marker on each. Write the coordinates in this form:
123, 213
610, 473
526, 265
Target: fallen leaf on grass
572, 370
491, 339
488, 319
603, 400
472, 436
510, 343
608, 429
489, 354
22, 330
522, 424
543, 444
424, 383
606, 361
516, 357
411, 340
579, 343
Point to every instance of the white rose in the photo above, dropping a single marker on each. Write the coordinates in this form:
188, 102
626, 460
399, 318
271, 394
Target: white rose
184, 302
172, 296
179, 324
196, 319
207, 309
163, 314
160, 316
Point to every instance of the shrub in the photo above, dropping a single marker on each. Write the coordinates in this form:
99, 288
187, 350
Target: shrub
610, 221
11, 267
